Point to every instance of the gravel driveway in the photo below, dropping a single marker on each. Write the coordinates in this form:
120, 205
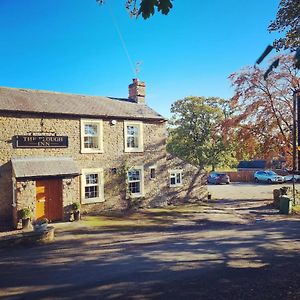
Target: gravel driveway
237, 190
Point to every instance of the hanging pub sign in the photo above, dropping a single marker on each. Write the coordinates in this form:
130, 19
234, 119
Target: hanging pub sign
40, 141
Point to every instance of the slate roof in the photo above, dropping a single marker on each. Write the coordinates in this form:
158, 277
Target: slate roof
252, 164
45, 102
25, 167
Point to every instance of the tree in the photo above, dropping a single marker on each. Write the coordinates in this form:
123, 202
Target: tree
262, 122
146, 8
196, 132
287, 21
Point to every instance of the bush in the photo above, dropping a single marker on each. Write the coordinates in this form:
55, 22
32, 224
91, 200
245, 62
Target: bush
76, 206
25, 213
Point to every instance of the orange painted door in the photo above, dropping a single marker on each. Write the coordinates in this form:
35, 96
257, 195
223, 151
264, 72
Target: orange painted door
40, 205
49, 199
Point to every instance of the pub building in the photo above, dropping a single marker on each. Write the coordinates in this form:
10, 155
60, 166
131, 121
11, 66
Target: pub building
105, 153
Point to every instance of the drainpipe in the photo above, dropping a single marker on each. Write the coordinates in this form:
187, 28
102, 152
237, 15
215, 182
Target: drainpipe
14, 183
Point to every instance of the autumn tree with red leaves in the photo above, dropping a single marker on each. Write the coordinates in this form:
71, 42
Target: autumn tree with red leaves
262, 123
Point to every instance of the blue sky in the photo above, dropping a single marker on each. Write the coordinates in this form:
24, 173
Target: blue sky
73, 46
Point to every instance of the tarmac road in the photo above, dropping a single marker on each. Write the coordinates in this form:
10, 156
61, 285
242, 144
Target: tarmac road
233, 249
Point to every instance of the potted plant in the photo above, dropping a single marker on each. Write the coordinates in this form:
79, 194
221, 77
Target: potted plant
25, 215
40, 225
76, 210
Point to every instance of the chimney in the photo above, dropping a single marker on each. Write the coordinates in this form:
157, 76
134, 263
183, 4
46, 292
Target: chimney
137, 91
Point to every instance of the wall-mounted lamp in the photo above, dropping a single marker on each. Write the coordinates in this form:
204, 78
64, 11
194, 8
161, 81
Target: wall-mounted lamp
113, 122
68, 181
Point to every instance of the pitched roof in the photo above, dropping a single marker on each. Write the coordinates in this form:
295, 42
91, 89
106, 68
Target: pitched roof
35, 101
252, 164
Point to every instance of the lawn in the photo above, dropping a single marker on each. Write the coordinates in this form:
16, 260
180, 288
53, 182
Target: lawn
146, 218
296, 209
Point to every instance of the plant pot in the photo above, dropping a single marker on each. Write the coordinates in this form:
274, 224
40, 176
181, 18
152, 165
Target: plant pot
26, 224
76, 215
40, 227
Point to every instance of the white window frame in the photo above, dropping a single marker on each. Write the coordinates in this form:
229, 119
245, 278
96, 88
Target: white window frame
176, 172
141, 193
140, 147
99, 124
151, 168
85, 172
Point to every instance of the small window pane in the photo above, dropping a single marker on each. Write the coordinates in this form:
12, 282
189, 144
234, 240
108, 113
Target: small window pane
90, 129
173, 181
178, 178
152, 173
91, 192
91, 179
132, 130
132, 142
133, 175
134, 187
90, 142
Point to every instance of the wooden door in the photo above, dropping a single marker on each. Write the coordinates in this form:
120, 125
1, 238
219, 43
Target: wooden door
49, 199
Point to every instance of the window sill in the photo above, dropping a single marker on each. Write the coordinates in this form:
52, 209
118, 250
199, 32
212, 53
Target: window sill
92, 151
136, 195
91, 201
176, 185
133, 150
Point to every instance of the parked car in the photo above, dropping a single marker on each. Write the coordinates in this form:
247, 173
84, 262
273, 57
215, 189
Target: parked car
268, 176
289, 178
218, 178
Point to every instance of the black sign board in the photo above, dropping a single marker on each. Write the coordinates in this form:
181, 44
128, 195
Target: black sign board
40, 141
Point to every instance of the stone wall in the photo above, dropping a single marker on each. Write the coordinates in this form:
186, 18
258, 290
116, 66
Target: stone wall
25, 196
157, 191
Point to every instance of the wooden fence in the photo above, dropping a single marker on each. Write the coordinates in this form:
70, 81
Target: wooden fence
241, 176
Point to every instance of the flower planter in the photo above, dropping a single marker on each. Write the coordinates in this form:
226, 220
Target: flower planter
76, 215
40, 227
26, 224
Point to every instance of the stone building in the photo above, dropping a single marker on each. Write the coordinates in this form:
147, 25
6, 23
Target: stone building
106, 153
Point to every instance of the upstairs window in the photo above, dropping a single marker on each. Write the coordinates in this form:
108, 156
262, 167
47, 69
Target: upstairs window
133, 136
175, 178
91, 136
135, 178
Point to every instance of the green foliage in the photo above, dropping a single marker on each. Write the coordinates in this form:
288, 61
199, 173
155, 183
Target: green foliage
25, 213
288, 22
76, 206
146, 8
197, 134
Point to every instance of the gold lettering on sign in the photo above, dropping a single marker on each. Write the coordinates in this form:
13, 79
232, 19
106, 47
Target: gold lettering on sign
43, 144
30, 141
29, 138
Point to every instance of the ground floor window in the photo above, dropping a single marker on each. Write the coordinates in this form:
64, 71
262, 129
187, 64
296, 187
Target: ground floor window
175, 178
152, 172
135, 179
92, 186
